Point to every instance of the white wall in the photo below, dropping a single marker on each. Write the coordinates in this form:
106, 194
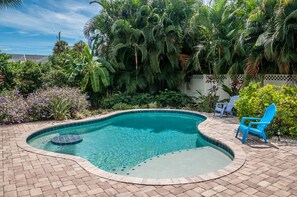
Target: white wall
198, 82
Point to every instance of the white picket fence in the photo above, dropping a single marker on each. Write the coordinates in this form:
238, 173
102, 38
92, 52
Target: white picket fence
198, 83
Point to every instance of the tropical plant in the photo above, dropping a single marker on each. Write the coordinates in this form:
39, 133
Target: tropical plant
79, 46
60, 108
144, 41
234, 88
220, 26
60, 46
278, 39
268, 38
62, 64
206, 103
95, 71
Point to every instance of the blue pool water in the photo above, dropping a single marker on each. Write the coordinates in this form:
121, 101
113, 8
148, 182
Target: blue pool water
123, 141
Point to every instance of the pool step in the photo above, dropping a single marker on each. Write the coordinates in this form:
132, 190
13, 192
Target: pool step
183, 163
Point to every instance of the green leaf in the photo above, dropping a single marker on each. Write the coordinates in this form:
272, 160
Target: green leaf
85, 81
95, 80
104, 75
75, 72
143, 51
170, 28
230, 34
118, 47
87, 54
107, 65
227, 55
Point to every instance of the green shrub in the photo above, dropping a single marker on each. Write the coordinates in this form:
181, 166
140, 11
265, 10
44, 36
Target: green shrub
173, 99
55, 77
152, 105
122, 106
5, 72
206, 103
142, 99
114, 99
26, 76
254, 100
167, 98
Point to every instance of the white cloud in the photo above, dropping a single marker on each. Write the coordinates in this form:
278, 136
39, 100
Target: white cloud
76, 6
6, 49
67, 16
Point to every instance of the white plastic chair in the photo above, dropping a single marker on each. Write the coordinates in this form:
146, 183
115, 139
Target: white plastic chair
225, 107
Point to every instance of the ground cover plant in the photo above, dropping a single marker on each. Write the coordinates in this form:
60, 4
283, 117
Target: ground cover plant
254, 99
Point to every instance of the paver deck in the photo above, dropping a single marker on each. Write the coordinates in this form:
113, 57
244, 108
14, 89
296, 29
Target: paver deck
267, 171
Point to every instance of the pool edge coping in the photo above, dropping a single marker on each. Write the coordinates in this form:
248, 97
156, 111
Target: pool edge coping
237, 162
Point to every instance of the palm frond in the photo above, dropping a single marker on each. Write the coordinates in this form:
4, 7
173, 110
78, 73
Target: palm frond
10, 3
104, 74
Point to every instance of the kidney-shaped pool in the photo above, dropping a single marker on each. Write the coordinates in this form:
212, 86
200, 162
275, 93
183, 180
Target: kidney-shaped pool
147, 144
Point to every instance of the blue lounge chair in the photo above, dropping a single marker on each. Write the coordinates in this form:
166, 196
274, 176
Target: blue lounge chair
225, 107
261, 124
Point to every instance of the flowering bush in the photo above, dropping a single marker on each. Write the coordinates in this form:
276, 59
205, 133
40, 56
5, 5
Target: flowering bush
42, 102
57, 103
13, 108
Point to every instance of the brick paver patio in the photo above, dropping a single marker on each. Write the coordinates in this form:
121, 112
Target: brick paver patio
267, 171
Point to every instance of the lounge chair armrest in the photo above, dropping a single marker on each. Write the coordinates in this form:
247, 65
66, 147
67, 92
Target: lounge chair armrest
248, 118
223, 104
256, 123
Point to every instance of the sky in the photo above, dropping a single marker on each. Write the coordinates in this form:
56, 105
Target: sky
33, 27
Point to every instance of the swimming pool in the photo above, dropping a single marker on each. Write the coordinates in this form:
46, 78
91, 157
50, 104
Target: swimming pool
119, 143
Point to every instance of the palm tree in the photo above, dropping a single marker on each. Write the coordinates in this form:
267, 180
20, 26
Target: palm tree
214, 46
79, 46
10, 3
219, 26
279, 39
144, 41
60, 46
269, 38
